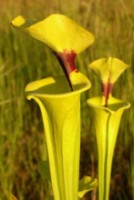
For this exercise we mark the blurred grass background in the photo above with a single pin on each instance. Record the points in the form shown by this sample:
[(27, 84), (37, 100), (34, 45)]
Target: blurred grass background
[(23, 59)]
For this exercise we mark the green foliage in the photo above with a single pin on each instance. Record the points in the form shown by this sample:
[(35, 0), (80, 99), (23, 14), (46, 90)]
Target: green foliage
[(44, 170), (23, 60), (11, 197), (86, 184)]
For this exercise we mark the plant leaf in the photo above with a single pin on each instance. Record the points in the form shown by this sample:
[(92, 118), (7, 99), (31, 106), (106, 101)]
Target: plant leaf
[(86, 184), (58, 32), (61, 117), (44, 170), (107, 121), (77, 78), (108, 69), (10, 196)]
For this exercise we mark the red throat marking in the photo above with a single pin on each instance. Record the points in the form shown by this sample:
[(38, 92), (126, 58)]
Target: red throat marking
[(68, 58), (107, 90)]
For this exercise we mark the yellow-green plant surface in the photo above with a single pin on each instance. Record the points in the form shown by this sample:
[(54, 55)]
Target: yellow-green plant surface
[(107, 121), (112, 24), (60, 110), (63, 35), (57, 31), (108, 112), (108, 69)]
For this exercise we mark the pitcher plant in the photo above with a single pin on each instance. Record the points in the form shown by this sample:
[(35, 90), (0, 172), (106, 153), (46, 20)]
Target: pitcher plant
[(108, 112), (59, 101)]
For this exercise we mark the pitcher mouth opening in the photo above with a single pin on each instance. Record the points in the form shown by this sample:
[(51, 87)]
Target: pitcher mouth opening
[(113, 105), (55, 86)]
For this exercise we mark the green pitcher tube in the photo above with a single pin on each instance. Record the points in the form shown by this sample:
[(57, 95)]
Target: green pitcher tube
[(60, 110), (107, 121)]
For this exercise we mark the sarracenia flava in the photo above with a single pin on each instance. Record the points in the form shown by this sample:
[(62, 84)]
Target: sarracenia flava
[(61, 117), (108, 112), (60, 107), (63, 35)]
